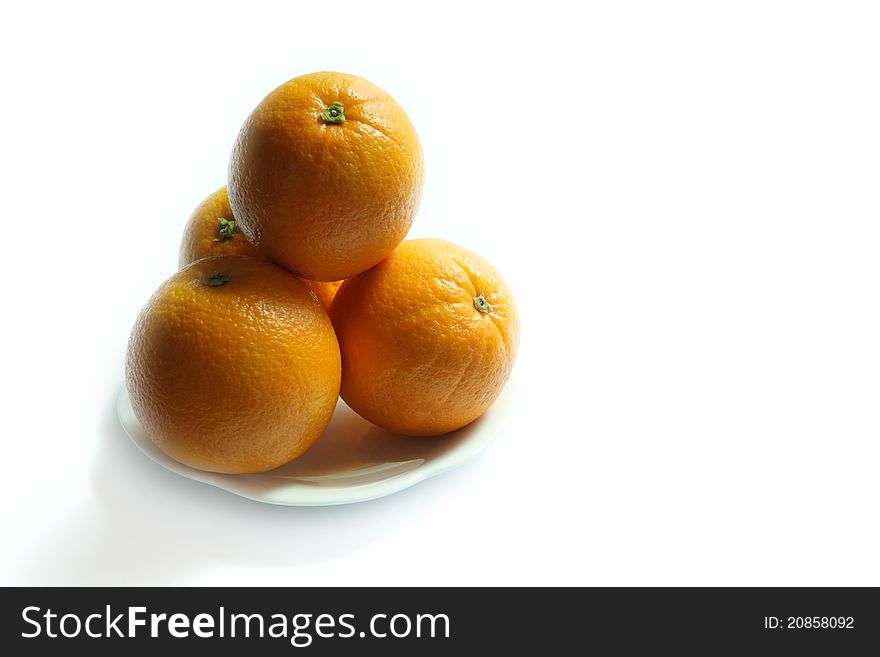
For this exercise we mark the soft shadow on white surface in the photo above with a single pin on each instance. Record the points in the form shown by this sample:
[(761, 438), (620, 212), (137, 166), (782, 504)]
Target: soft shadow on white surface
[(148, 526)]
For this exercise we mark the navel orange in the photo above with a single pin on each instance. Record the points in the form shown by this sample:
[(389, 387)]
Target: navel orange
[(212, 231), (428, 338), (325, 291), (233, 366), (326, 176)]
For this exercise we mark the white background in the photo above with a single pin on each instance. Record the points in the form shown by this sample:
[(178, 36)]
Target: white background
[(684, 197)]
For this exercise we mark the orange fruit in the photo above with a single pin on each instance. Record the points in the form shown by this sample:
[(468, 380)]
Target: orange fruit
[(325, 291), (212, 231), (428, 338), (233, 366), (326, 176)]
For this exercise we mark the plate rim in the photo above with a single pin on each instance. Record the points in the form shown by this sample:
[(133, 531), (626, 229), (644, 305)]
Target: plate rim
[(503, 406)]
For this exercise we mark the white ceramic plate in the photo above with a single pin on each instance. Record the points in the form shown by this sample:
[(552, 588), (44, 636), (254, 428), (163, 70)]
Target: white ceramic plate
[(353, 461)]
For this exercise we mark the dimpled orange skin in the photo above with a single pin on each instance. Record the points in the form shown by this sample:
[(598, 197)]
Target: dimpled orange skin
[(200, 240), (326, 200), (238, 377), (418, 357)]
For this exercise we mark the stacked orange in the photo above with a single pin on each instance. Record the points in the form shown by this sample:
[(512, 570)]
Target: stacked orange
[(236, 362)]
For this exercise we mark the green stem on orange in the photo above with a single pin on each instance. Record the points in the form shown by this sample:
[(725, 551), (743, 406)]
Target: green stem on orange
[(481, 304), (334, 114), (225, 229), (216, 279)]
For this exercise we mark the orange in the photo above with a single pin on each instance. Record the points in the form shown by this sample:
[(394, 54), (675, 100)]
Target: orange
[(212, 230), (428, 338), (325, 291), (233, 366), (326, 176)]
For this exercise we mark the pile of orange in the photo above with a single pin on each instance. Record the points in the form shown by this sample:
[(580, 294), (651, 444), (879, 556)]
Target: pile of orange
[(295, 287)]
